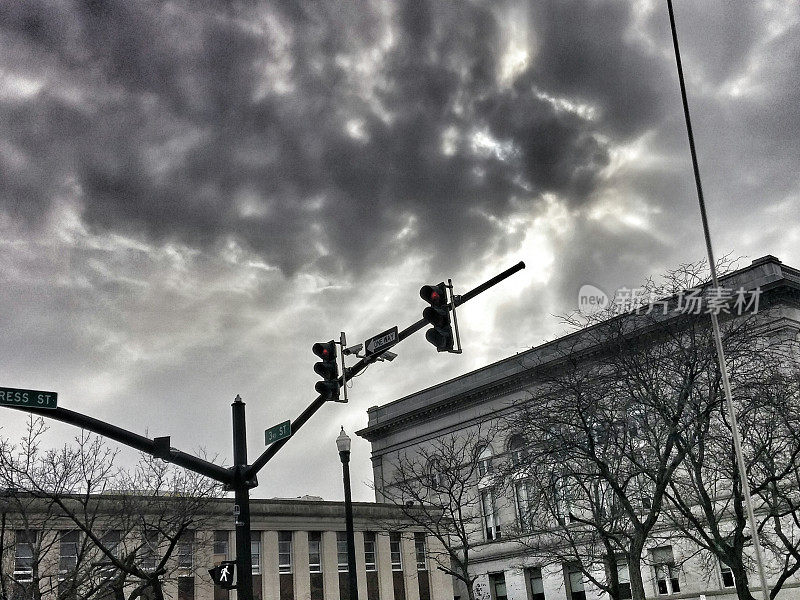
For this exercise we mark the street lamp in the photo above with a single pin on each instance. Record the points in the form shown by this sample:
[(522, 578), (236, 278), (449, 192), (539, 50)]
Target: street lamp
[(343, 444)]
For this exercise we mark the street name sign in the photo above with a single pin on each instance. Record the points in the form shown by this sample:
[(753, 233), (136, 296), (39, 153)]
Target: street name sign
[(382, 341), (278, 432), (27, 398)]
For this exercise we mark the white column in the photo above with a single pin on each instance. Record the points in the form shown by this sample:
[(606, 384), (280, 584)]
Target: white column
[(440, 582), (302, 578), (361, 567), (516, 587), (330, 566), (385, 587), (410, 575), (553, 582), (270, 582)]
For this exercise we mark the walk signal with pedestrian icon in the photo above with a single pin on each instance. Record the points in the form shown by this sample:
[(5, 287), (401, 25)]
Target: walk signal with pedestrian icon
[(223, 574)]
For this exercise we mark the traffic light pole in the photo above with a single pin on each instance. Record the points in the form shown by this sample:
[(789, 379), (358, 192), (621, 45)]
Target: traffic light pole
[(241, 477), (241, 490)]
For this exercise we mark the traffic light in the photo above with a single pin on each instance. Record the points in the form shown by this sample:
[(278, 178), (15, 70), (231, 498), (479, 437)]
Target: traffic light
[(438, 315), (328, 368)]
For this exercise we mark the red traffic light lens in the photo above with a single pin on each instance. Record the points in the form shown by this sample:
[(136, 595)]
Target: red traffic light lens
[(325, 351), (434, 294)]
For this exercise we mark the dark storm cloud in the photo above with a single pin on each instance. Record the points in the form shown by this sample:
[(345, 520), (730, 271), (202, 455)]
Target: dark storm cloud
[(183, 132)]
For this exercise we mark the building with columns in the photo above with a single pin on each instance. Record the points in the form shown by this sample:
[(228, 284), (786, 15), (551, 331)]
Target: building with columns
[(299, 552)]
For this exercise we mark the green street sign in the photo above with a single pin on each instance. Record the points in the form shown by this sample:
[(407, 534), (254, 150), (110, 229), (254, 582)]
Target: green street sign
[(27, 398), (278, 432)]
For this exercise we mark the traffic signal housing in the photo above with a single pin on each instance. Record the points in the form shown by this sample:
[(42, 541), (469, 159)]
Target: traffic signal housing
[(328, 369), (438, 315)]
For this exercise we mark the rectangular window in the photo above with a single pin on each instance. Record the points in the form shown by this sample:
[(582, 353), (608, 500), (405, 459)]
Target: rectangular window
[(186, 550), (666, 573), (220, 543), (728, 579), (315, 564), (111, 541), (255, 552), (535, 583), (420, 552), (577, 591), (67, 552), (341, 551), (522, 491), (395, 552), (341, 559), (561, 500), (185, 588), (624, 580), (370, 561), (284, 552), (149, 552), (23, 555), (314, 552), (490, 519), (497, 583)]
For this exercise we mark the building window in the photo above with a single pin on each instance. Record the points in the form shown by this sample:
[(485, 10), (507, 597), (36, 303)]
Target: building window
[(284, 552), (255, 552), (371, 565), (185, 588), (67, 552), (666, 573), (395, 552), (577, 591), (490, 518), (728, 580), (314, 552), (370, 561), (315, 564), (485, 462), (220, 543), (516, 447), (497, 584), (341, 551), (396, 558), (420, 552), (111, 541), (522, 495), (149, 551), (535, 583), (23, 555), (186, 550), (624, 580), (561, 502)]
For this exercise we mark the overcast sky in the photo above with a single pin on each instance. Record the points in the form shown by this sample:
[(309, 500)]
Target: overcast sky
[(194, 192)]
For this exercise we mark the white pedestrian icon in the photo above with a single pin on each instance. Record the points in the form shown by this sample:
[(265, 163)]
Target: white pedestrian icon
[(223, 574)]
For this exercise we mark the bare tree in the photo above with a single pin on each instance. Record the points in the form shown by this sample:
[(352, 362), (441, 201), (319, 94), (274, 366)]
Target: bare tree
[(609, 426), (122, 528), (706, 498), (437, 489)]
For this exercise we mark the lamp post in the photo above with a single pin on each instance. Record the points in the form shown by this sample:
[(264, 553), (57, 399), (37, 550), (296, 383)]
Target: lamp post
[(343, 444)]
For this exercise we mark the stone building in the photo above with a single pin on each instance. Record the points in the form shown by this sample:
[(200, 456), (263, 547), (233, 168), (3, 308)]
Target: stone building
[(299, 552), (486, 395)]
